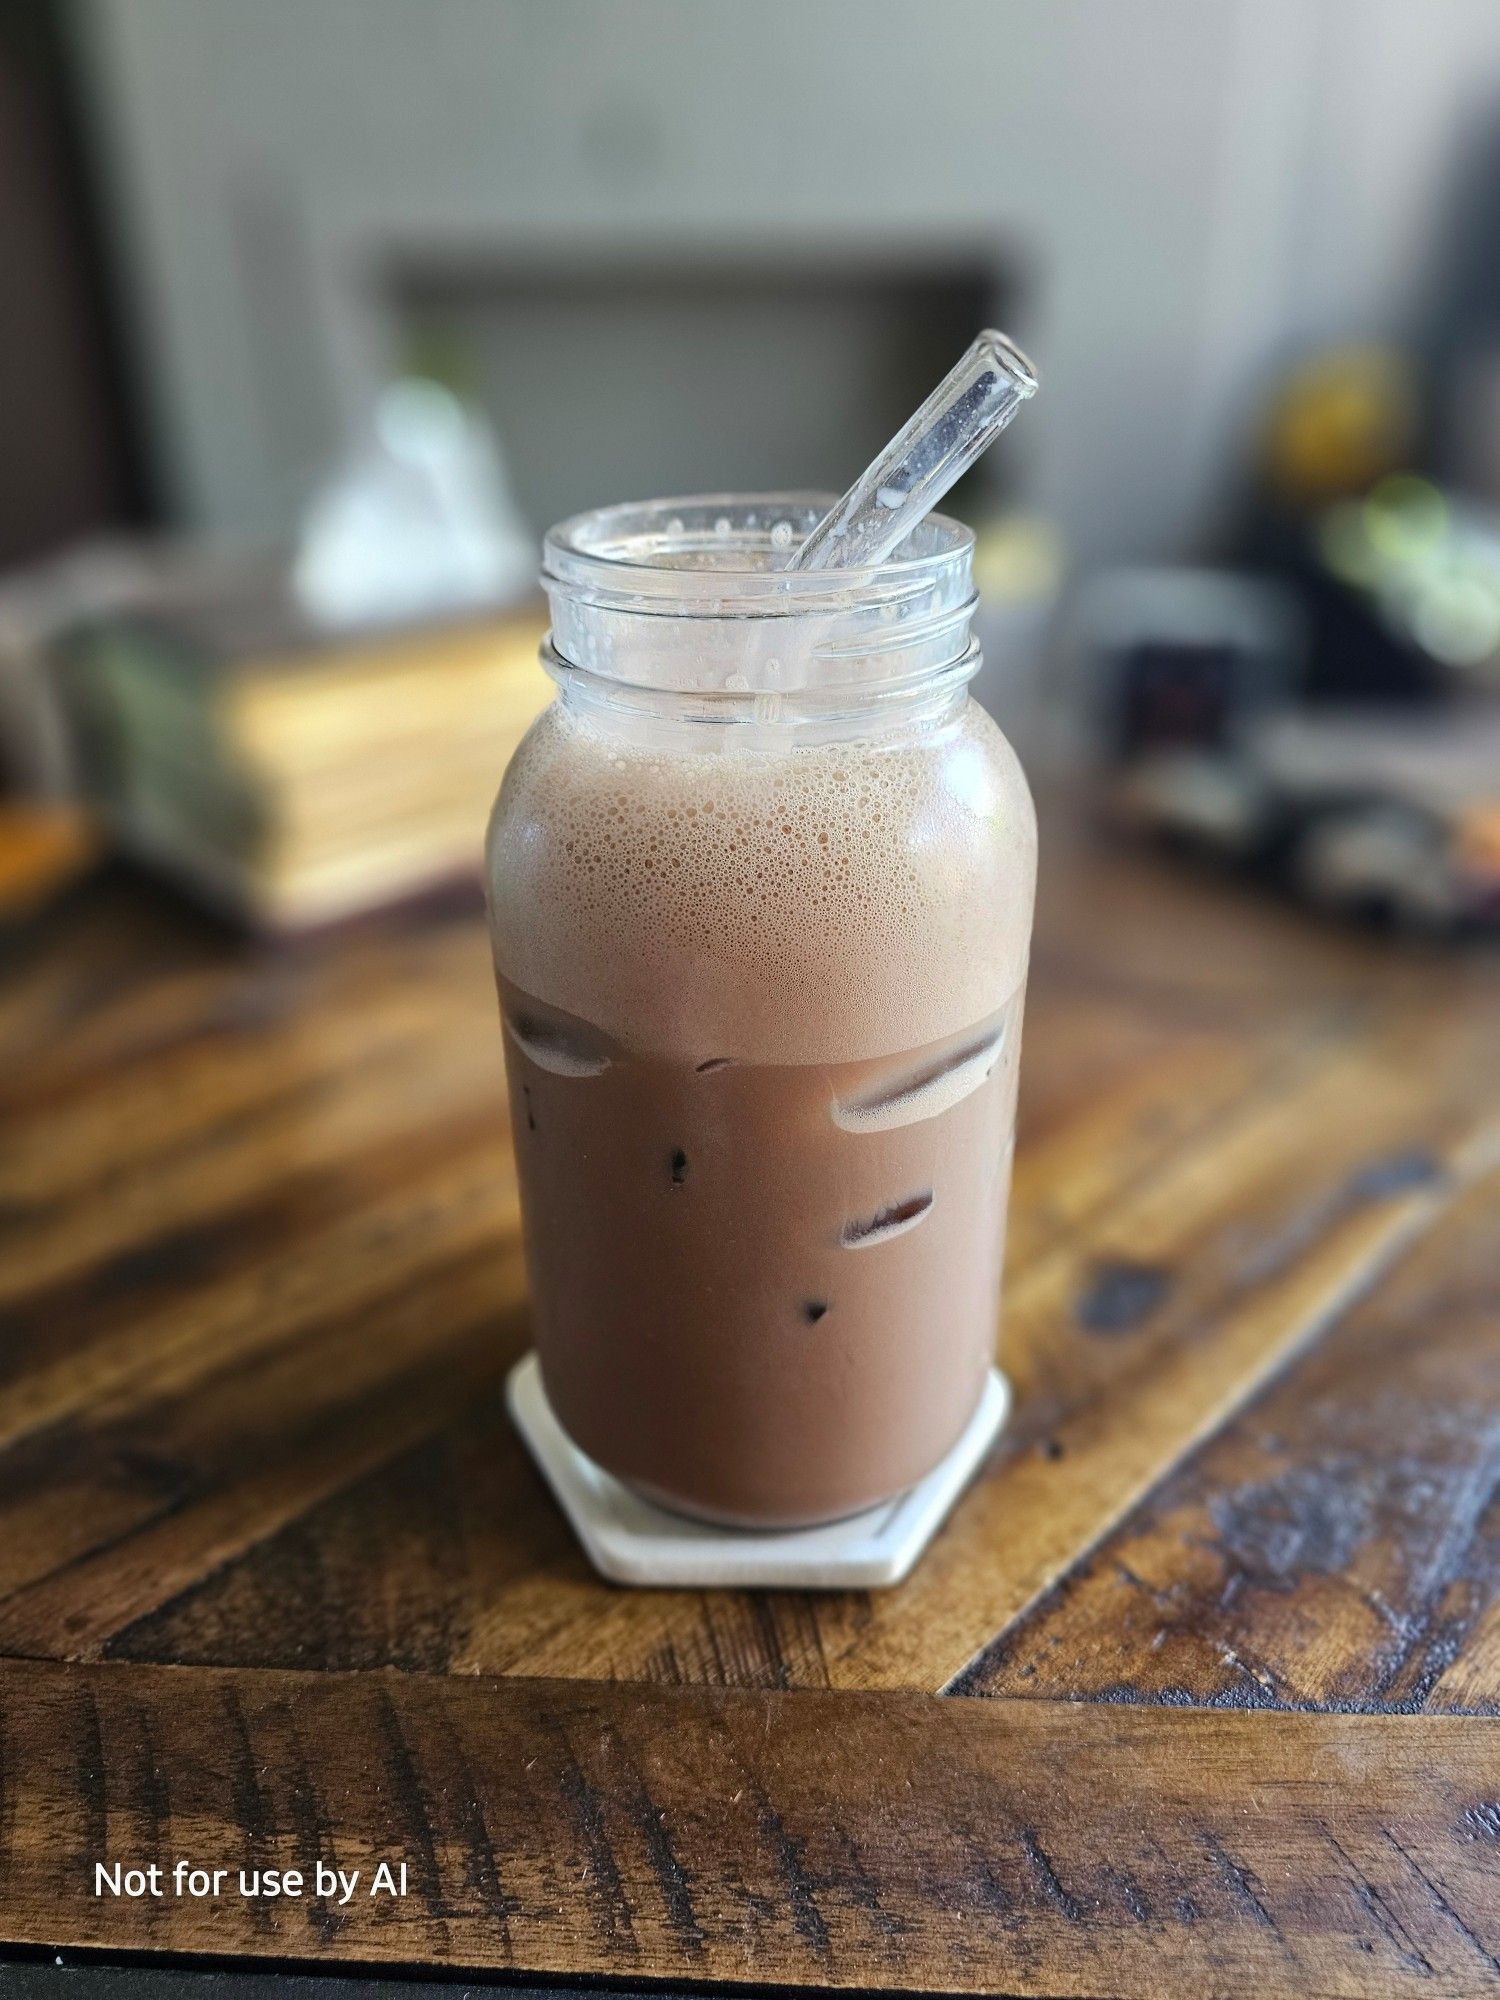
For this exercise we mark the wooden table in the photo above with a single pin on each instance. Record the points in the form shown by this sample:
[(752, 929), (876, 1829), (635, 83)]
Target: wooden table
[(1191, 1694)]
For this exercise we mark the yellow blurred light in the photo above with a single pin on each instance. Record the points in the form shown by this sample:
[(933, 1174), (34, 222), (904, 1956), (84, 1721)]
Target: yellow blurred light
[(1340, 421), (1017, 557)]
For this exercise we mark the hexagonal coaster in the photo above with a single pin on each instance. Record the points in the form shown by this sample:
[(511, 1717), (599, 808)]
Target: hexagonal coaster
[(628, 1540)]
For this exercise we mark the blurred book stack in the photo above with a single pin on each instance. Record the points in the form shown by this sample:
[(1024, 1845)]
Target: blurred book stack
[(293, 775)]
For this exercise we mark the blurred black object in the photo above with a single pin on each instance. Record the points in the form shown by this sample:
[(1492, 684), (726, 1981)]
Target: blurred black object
[(1329, 710), (1396, 573), (1179, 658), (76, 459), (1208, 734), (1355, 813)]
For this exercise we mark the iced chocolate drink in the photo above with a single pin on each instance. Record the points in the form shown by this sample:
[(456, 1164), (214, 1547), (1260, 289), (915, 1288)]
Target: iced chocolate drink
[(761, 886)]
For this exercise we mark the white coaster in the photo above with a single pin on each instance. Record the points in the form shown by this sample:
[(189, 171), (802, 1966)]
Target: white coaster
[(630, 1541)]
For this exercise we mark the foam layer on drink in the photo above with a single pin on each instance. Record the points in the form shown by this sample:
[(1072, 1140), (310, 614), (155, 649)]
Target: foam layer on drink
[(818, 904)]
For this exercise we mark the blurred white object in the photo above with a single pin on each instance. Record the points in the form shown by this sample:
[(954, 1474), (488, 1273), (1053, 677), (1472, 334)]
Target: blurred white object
[(1385, 857), (419, 520), (1218, 802)]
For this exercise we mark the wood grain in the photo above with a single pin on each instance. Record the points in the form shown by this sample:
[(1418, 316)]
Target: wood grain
[(260, 1281), (1098, 1420), (1337, 1546), (835, 1840), (259, 1284)]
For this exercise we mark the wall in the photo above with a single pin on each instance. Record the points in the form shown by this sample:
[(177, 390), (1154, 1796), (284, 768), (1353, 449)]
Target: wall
[(1189, 187)]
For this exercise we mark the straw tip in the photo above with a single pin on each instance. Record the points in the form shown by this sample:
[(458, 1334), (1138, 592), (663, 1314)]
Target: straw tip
[(1005, 354)]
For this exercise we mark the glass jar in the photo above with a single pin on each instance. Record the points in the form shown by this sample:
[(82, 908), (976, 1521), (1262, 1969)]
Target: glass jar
[(760, 885)]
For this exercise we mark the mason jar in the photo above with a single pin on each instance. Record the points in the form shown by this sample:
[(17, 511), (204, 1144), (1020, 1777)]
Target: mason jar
[(760, 884)]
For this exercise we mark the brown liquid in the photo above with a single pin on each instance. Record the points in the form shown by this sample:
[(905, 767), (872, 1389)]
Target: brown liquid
[(765, 1294)]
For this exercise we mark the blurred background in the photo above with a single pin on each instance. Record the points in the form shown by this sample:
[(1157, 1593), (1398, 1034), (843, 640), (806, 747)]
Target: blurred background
[(318, 312)]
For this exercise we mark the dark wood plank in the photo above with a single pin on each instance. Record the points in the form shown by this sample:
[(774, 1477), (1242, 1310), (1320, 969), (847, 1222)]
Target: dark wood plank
[(340, 1585), (841, 1840), (93, 1975), (259, 1280), (497, 1609), (1337, 1546)]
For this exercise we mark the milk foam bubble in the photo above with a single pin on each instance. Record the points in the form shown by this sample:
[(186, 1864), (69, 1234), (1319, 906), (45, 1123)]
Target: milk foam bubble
[(804, 904)]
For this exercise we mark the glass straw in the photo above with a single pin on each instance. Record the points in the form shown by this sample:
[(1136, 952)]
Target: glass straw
[(961, 418)]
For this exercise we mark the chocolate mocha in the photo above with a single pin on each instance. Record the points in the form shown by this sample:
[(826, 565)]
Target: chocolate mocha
[(762, 1024)]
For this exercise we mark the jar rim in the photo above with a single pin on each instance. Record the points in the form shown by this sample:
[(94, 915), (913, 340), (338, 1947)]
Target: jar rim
[(690, 603), (608, 551)]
